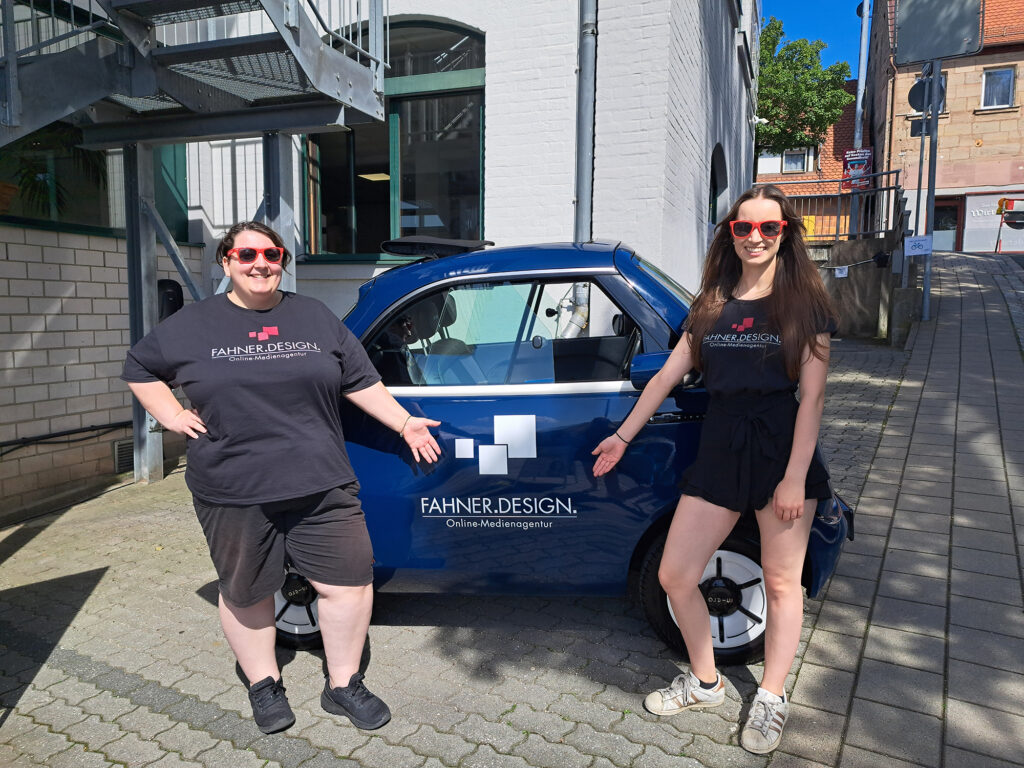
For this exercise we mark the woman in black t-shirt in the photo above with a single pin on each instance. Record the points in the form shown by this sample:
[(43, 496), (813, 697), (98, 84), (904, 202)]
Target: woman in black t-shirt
[(264, 370), (762, 323)]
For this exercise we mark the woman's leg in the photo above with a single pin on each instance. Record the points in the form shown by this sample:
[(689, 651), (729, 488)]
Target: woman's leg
[(251, 634), (344, 614), (697, 530), (783, 546)]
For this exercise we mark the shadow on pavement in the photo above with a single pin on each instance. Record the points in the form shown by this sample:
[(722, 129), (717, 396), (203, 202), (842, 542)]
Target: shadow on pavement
[(36, 618)]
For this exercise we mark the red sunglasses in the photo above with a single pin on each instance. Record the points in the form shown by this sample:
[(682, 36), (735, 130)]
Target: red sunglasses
[(766, 228), (273, 254)]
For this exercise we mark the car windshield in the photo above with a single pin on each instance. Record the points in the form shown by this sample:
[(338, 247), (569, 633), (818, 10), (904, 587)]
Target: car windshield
[(675, 288)]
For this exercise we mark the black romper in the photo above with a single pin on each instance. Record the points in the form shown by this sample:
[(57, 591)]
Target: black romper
[(748, 431)]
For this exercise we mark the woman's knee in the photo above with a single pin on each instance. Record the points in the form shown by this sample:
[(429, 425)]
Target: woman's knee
[(676, 576)]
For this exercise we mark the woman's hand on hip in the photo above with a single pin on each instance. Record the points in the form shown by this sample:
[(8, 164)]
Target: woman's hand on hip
[(187, 422), (608, 453), (788, 501), (416, 434)]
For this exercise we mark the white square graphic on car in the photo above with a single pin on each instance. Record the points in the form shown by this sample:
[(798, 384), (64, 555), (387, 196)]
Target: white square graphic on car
[(493, 460), (463, 448), (519, 433)]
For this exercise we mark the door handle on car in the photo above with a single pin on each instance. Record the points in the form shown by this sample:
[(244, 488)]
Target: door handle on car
[(674, 417)]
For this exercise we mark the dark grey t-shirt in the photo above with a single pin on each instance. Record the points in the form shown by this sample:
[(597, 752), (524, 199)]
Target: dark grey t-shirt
[(742, 355), (267, 385)]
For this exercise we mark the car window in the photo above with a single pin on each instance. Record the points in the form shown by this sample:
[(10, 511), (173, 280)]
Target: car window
[(505, 333)]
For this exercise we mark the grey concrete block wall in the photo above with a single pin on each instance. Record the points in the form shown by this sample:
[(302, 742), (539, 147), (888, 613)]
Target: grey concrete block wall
[(63, 337)]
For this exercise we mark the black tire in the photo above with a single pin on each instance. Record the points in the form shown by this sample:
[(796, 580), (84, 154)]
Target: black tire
[(733, 586), (295, 614)]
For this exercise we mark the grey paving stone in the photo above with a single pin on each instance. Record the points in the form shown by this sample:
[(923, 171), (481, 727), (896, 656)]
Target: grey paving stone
[(781, 759), (988, 485), (875, 507), (172, 760), (486, 757), (575, 710), (990, 541), (990, 588), (547, 724), (811, 734), (987, 616), (909, 616), (823, 688), (934, 542), (194, 712), (847, 589), (908, 649), (286, 750), (649, 732), (919, 563), (987, 649), (132, 751), (865, 544), (959, 758), (155, 697), (653, 757), (854, 757), (614, 747), (543, 754), (921, 521), (447, 747), (186, 741), (909, 502), (226, 755), (861, 566), (895, 732), (991, 563), (914, 689), (77, 756), (983, 502), (833, 649), (989, 521), (57, 715), (908, 586), (971, 727), (843, 618), (985, 686)]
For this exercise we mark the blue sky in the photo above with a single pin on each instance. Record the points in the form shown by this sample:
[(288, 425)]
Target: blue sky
[(838, 27)]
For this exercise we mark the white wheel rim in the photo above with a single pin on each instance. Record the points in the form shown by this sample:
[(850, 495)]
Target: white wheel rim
[(295, 618), (736, 629)]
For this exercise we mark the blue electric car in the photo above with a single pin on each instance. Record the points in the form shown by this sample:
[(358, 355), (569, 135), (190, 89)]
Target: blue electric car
[(529, 356)]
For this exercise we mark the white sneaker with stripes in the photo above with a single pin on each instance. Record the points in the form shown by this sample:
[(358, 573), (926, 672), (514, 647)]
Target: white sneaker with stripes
[(684, 693), (763, 730)]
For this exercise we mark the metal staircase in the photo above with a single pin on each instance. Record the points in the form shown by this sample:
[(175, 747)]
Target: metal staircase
[(163, 70), (136, 73)]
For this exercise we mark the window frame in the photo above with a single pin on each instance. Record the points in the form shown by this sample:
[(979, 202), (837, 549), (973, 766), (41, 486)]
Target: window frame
[(1013, 86), (804, 152)]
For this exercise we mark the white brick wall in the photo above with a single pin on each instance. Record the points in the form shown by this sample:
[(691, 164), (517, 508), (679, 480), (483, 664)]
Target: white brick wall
[(63, 337)]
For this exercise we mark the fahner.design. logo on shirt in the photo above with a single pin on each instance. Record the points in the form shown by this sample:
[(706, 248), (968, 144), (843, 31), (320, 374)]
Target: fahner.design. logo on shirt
[(272, 351), (268, 331), (746, 325)]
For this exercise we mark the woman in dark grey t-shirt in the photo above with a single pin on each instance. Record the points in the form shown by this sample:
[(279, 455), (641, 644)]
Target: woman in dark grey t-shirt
[(759, 328), (265, 370)]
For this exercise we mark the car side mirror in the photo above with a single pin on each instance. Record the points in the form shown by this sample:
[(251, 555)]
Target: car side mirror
[(645, 365)]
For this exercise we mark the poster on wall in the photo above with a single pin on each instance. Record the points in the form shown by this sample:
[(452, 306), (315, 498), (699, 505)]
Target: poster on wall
[(856, 168)]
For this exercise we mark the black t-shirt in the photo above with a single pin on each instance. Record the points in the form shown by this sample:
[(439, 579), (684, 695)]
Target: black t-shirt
[(742, 355), (267, 385)]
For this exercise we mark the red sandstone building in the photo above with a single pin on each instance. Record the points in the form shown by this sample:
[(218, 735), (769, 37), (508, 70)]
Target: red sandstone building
[(981, 128)]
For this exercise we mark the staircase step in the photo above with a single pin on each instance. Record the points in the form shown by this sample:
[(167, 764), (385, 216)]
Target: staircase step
[(251, 45), (174, 11)]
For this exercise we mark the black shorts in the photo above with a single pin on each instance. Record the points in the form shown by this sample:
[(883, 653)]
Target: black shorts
[(323, 535), (744, 450)]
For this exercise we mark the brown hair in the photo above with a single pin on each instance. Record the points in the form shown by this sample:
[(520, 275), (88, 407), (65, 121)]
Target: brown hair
[(228, 241), (799, 306)]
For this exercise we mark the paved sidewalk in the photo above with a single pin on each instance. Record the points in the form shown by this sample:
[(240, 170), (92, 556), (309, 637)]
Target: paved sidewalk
[(111, 653)]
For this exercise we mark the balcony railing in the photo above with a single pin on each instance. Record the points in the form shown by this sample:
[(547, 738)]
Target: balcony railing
[(832, 213)]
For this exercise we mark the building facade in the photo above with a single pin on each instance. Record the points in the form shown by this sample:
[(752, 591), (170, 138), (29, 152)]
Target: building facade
[(479, 142), (980, 156)]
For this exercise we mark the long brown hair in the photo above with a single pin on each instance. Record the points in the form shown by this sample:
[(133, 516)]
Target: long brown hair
[(799, 306), (228, 241)]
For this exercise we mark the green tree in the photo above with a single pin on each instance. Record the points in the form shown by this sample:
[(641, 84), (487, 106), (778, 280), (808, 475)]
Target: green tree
[(798, 97)]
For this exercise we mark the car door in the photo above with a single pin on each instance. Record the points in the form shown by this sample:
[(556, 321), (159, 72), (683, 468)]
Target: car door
[(527, 375)]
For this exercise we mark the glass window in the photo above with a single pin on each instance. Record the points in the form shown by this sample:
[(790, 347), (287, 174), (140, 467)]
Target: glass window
[(506, 333), (794, 161), (420, 172), (439, 140), (997, 88)]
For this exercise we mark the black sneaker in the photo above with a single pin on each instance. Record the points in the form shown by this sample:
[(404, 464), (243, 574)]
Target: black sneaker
[(270, 707), (365, 710)]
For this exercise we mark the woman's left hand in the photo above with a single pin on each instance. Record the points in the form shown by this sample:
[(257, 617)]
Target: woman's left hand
[(788, 501), (417, 436)]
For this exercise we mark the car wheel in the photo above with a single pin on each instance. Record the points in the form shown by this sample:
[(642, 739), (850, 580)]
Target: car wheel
[(295, 614), (733, 587)]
